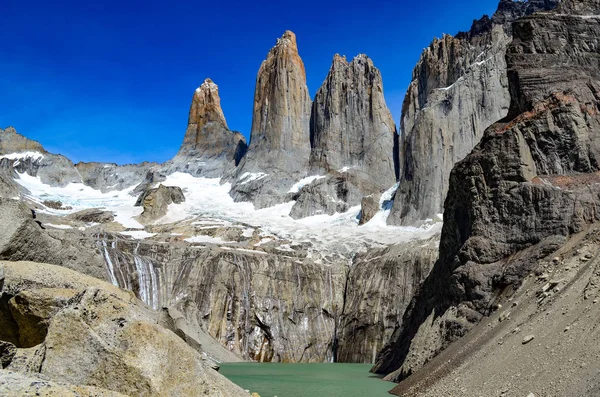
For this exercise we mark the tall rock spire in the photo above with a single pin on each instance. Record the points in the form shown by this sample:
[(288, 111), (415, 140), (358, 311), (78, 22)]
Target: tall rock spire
[(352, 140), (280, 138), (208, 145), (351, 126), (280, 120)]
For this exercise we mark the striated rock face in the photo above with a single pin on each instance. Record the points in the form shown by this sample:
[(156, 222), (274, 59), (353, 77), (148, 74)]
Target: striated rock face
[(380, 286), (156, 201), (459, 88), (262, 306), (209, 148), (351, 125), (100, 336), (280, 138), (531, 181), (352, 135)]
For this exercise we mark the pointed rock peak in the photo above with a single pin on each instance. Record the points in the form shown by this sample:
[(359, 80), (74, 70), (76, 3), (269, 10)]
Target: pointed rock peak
[(362, 58), (288, 40), (337, 58), (13, 142), (206, 105), (208, 86)]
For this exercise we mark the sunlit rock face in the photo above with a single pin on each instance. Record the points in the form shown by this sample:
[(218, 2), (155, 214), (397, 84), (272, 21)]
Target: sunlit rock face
[(459, 88), (209, 148), (280, 138)]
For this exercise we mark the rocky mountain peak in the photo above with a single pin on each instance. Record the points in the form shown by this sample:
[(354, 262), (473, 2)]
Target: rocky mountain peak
[(206, 105), (280, 137), (288, 40), (208, 142), (13, 142), (352, 138)]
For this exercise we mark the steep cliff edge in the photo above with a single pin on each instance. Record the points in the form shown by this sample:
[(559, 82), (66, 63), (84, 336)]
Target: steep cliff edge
[(352, 139), (530, 183), (279, 147), (459, 88)]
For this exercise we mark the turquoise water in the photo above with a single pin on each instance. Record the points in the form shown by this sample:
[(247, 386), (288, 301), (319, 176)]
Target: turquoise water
[(307, 380)]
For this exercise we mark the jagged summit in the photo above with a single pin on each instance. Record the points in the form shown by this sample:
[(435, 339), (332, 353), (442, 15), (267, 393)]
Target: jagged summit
[(206, 105), (352, 139)]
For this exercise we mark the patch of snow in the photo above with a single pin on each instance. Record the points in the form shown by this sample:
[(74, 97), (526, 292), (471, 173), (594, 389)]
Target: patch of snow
[(58, 226), (303, 182), (207, 239), (79, 196), (252, 251), (450, 86), (35, 156), (345, 169), (138, 234), (248, 177), (248, 232)]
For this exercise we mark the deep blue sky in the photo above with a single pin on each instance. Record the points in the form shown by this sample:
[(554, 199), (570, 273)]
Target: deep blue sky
[(113, 80)]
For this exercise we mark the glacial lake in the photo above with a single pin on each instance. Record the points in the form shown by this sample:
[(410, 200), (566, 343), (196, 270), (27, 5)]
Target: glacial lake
[(307, 380)]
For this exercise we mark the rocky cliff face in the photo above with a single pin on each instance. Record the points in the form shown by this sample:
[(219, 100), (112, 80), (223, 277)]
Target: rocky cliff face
[(352, 138), (209, 148), (530, 182), (280, 139), (459, 88)]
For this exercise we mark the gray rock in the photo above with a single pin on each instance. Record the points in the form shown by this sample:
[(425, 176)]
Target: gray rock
[(7, 352), (369, 206), (529, 183), (94, 215), (334, 193), (209, 148), (459, 88), (23, 238), (156, 201), (528, 339), (109, 177)]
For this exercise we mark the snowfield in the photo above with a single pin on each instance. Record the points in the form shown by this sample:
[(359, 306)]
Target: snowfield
[(208, 203)]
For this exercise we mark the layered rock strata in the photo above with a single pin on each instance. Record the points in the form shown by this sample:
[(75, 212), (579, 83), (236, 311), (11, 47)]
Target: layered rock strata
[(531, 181), (459, 88)]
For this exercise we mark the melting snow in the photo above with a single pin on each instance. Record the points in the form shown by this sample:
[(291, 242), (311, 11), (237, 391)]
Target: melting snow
[(58, 226), (138, 234), (303, 182), (207, 239), (35, 156), (79, 197), (209, 201), (251, 176)]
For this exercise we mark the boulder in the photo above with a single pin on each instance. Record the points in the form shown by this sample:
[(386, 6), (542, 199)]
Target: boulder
[(156, 201)]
